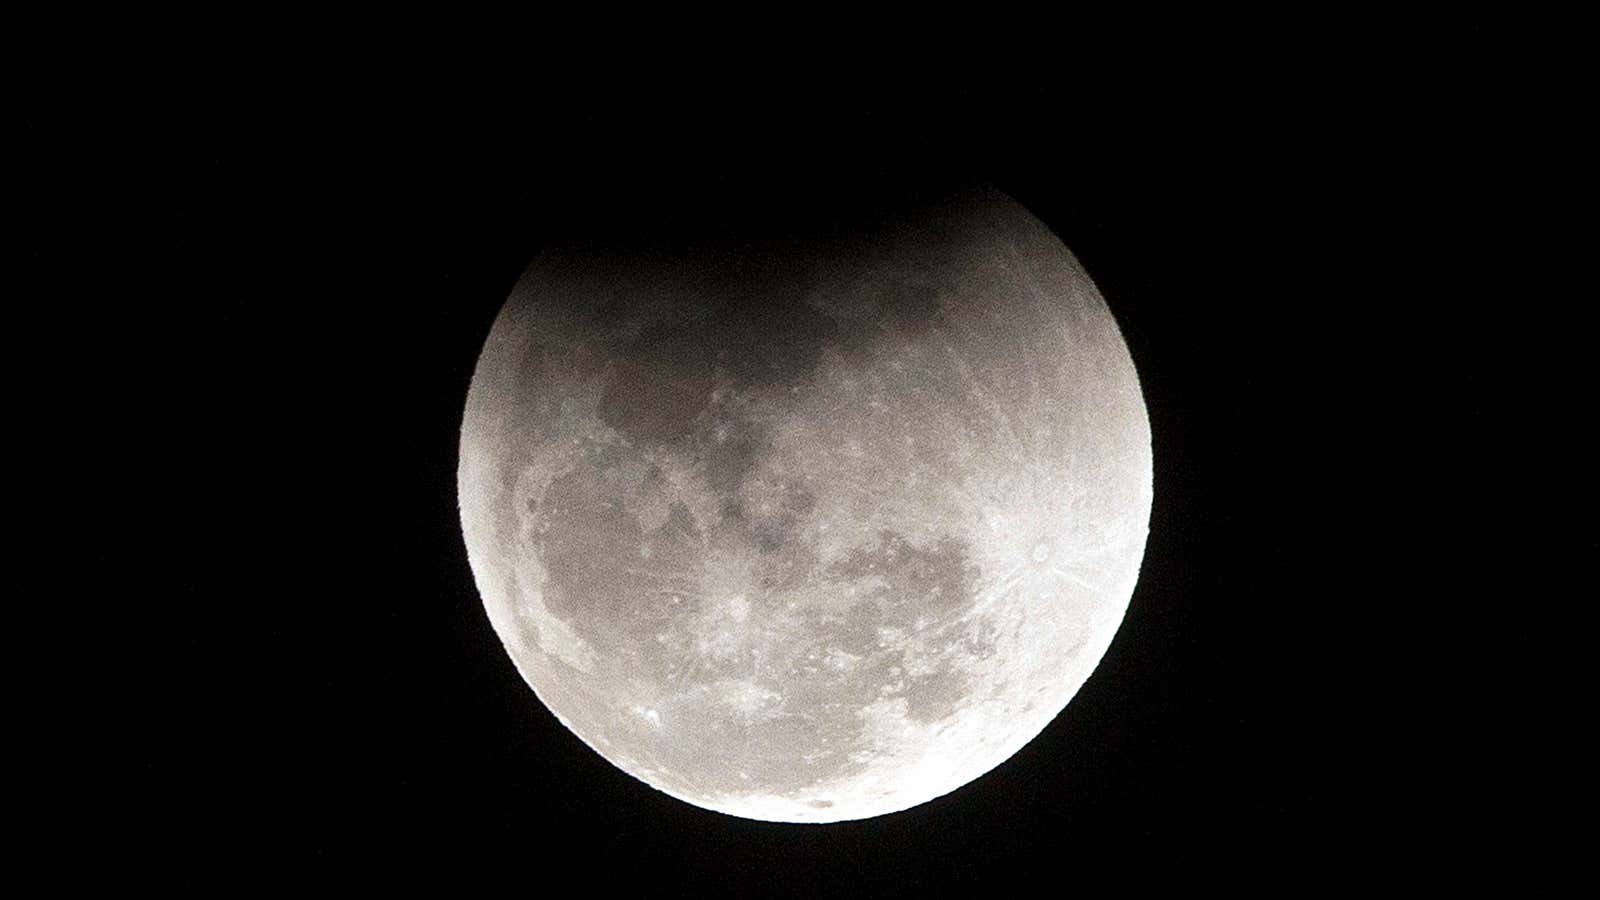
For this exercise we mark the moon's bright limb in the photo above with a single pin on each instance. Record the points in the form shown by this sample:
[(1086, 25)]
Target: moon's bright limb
[(814, 533)]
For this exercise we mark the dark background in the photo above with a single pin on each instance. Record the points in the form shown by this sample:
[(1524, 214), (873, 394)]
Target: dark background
[(294, 270)]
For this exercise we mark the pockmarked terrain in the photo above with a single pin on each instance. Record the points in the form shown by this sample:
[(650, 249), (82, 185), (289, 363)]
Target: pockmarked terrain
[(809, 531)]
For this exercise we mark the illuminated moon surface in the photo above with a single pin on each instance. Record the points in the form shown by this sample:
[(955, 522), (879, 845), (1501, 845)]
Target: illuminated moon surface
[(809, 531)]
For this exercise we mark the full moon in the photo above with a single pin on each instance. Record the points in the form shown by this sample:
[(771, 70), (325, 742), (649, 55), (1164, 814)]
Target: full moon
[(808, 530)]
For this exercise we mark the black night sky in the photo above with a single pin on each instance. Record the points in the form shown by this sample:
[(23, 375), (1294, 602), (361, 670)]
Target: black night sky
[(311, 263)]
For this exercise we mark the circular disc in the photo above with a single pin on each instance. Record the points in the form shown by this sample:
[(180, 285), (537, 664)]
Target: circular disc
[(808, 530)]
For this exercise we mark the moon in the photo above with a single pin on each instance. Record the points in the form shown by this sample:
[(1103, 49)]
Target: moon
[(808, 530)]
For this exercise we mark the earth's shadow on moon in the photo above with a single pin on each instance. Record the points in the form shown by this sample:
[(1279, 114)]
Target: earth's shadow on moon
[(752, 508)]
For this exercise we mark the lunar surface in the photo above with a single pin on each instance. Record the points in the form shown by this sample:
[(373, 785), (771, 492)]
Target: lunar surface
[(812, 530)]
